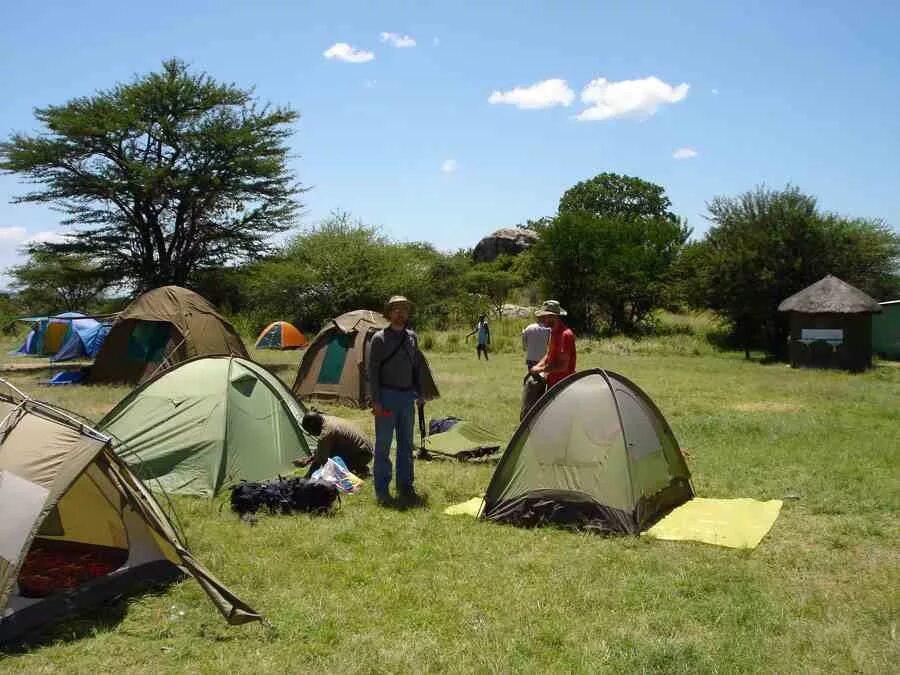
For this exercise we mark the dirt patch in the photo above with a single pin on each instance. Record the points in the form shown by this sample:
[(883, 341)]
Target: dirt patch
[(766, 406)]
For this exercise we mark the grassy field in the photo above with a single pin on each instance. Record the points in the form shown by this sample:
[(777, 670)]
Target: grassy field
[(379, 590)]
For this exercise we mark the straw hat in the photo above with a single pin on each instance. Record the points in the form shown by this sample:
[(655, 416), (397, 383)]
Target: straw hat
[(397, 300)]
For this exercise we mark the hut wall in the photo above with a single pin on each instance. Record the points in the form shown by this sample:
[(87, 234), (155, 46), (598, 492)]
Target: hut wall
[(854, 353)]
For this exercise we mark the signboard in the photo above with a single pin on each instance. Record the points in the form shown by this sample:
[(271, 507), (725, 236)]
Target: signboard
[(825, 334)]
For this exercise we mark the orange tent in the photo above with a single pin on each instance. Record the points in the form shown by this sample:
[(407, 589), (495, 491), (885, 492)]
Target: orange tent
[(281, 335)]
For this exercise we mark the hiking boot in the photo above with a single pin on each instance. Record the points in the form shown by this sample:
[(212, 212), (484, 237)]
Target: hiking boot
[(408, 497), (384, 500)]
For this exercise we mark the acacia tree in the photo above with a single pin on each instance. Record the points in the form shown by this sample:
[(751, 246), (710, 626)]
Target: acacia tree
[(161, 177)]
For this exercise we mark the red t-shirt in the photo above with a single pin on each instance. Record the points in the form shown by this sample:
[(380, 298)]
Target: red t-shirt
[(562, 344)]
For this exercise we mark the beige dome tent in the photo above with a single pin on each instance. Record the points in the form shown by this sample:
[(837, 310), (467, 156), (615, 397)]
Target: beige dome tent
[(68, 503), (594, 453), (333, 366), (163, 327)]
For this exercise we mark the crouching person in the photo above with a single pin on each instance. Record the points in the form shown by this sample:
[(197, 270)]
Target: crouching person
[(336, 438)]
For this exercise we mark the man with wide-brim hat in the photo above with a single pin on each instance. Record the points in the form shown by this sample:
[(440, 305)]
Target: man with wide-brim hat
[(395, 385), (559, 361)]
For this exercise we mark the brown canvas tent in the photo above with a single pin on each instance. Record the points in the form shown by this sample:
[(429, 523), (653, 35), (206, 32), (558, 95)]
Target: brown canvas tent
[(68, 503), (334, 365), (163, 327), (593, 453), (831, 326)]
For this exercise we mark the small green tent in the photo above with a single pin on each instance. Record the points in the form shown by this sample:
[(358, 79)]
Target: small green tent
[(594, 453), (208, 423), (463, 441)]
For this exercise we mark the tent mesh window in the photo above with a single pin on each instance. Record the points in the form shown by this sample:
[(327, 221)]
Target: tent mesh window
[(335, 358), (147, 342)]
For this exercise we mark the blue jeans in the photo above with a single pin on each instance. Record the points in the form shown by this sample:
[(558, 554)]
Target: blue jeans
[(403, 414)]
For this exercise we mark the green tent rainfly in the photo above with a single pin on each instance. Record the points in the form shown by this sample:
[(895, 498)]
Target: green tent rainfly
[(209, 423), (593, 453)]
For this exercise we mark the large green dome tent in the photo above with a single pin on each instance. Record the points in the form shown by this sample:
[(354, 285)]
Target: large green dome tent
[(206, 424), (594, 453)]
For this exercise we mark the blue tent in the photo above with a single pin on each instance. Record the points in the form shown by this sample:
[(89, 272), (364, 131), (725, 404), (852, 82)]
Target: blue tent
[(48, 333), (85, 340)]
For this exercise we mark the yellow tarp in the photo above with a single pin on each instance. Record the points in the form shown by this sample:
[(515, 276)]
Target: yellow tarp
[(470, 508), (735, 523)]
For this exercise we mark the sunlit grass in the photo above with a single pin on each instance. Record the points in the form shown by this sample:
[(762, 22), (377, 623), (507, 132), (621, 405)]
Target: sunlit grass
[(386, 591)]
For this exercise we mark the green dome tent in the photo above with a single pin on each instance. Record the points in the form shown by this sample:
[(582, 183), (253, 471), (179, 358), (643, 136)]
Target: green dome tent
[(206, 424), (595, 453)]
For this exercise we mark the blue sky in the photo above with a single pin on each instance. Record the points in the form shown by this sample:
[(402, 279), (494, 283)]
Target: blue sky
[(410, 139)]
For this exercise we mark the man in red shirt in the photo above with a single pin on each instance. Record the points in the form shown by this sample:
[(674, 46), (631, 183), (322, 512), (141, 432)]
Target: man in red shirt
[(559, 361)]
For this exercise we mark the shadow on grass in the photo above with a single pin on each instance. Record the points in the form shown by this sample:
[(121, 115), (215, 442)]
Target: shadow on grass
[(89, 622), (407, 502)]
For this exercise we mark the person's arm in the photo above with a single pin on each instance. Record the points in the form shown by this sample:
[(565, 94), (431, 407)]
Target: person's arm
[(487, 330), (376, 354)]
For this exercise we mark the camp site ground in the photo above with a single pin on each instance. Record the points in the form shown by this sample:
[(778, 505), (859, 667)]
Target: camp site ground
[(370, 589)]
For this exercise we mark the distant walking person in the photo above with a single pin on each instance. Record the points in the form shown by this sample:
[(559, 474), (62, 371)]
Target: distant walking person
[(534, 342), (395, 385), (483, 330), (559, 361)]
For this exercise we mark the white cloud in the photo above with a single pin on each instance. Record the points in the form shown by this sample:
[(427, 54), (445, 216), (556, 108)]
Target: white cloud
[(715, 92), (370, 84), (545, 94), (397, 40), (344, 52), (435, 42), (684, 153), (449, 166), (47, 237), (628, 98), (12, 233)]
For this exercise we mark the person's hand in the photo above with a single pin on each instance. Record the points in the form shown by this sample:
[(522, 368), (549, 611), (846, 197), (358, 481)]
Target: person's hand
[(377, 410)]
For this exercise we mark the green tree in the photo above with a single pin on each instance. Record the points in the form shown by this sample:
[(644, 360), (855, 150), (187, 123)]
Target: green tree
[(494, 281), (50, 281), (612, 195), (766, 245), (609, 268), (163, 177), (343, 265)]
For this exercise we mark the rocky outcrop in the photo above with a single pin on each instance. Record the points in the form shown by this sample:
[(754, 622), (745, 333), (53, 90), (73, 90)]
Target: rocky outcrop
[(506, 241)]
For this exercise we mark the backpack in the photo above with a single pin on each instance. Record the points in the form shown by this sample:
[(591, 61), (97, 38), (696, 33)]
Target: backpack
[(283, 495)]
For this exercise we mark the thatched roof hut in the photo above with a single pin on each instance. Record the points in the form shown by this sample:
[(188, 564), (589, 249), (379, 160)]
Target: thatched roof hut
[(830, 296), (831, 325)]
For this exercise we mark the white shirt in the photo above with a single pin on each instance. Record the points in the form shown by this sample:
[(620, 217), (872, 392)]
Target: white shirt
[(534, 339)]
